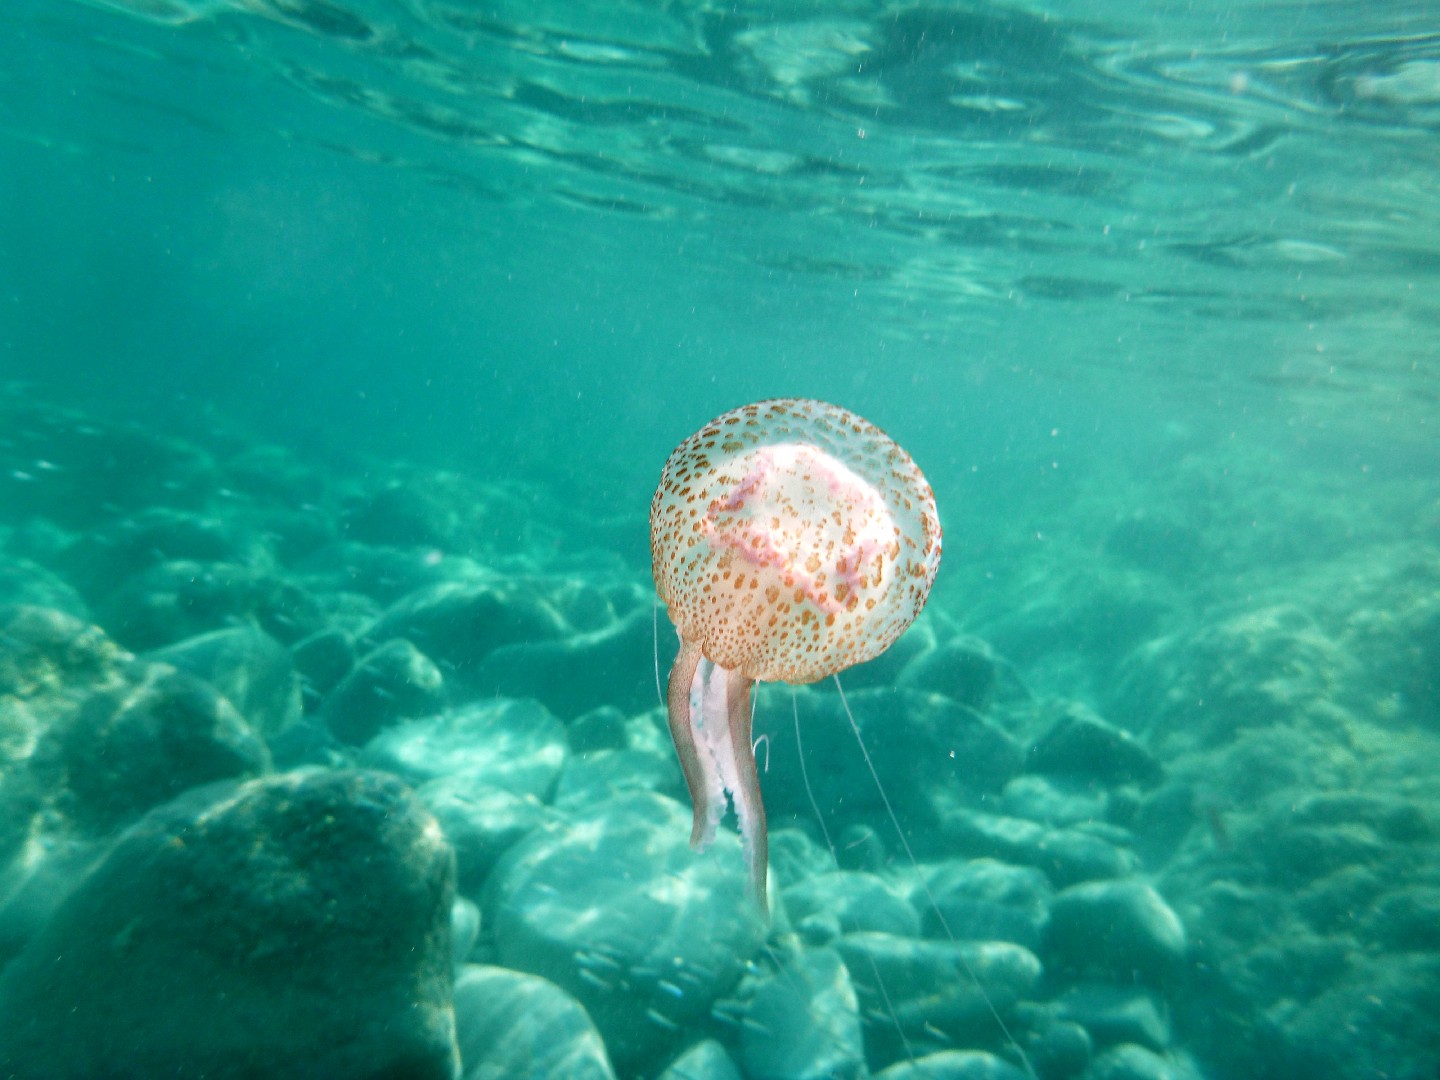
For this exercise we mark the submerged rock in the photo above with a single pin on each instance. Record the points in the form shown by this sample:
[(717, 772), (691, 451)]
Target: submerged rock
[(949, 756), (964, 670), (128, 465), (571, 676), (321, 661), (48, 655), (844, 902), (1117, 1014), (935, 989), (1119, 928), (1137, 1063), (1088, 852), (986, 900), (100, 558), (704, 1061), (600, 775), (954, 1065), (517, 746), (291, 927), (509, 1024), (803, 1022), (127, 749), (1082, 745), (613, 906), (481, 821), (393, 682), (28, 583), (183, 599), (249, 667), (459, 623)]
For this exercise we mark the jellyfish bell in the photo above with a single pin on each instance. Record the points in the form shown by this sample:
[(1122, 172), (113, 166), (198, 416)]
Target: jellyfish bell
[(789, 540)]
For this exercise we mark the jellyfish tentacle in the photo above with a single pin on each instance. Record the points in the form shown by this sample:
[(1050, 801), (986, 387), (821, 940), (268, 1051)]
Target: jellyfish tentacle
[(749, 805), (682, 731)]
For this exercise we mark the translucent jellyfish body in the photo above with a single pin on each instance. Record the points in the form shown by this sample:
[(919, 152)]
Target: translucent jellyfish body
[(789, 539)]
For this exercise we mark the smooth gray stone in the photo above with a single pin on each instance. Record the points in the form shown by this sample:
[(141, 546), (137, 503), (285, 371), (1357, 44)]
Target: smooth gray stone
[(23, 582), (392, 683), (128, 465), (613, 906), (1091, 851), (1082, 744), (795, 857), (401, 515), (128, 749), (249, 667), (515, 745), (509, 1024), (986, 900), (1120, 929), (854, 902), (964, 670), (464, 929), (599, 729), (100, 558), (1137, 1063), (321, 661), (954, 1065), (1117, 1014), (704, 1061), (594, 777), (1066, 856), (459, 623), (611, 666), (387, 575), (292, 927), (936, 986), (481, 821), (803, 1022), (34, 880), (1053, 801), (1060, 1047)]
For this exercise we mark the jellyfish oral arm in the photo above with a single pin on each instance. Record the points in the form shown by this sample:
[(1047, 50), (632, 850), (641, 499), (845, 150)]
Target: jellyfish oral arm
[(709, 709)]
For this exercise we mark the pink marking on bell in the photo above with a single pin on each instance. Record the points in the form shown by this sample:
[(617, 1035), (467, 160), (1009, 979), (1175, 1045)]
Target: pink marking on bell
[(753, 482)]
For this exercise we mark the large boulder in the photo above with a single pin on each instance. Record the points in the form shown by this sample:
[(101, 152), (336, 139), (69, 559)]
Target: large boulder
[(292, 927)]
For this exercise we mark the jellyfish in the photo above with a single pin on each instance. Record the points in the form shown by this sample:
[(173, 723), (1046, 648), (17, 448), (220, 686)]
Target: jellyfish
[(789, 539)]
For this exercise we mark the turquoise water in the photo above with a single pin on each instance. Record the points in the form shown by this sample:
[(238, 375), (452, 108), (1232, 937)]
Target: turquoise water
[(360, 330)]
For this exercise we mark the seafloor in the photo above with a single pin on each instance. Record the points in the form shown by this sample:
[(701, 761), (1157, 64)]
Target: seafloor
[(359, 772)]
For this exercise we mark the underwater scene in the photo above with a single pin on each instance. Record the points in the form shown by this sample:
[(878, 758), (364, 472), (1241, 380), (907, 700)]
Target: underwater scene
[(695, 540)]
